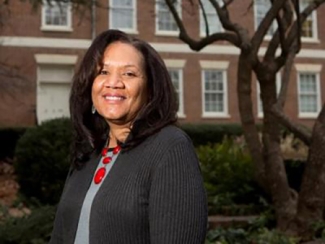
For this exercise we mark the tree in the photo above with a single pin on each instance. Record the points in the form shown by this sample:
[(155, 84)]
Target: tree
[(294, 212)]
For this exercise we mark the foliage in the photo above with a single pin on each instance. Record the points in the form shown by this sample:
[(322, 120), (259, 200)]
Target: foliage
[(227, 171), (42, 160), (8, 141), (30, 229), (203, 134), (257, 232)]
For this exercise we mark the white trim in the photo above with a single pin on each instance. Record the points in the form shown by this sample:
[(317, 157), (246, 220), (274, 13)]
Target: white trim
[(313, 115), (56, 59), (309, 67), (65, 28), (175, 63), (133, 30), (225, 113), (207, 64), (56, 28), (45, 42)]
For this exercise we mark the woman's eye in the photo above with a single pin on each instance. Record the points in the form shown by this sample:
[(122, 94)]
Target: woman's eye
[(130, 74), (103, 72)]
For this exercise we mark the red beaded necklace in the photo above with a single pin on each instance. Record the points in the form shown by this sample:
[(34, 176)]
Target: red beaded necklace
[(100, 173)]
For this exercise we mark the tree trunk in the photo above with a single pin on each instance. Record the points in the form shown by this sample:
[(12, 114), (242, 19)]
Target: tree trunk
[(283, 197), (245, 105), (312, 194)]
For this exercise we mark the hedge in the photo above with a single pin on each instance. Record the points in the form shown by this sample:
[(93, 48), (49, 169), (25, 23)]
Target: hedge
[(8, 141)]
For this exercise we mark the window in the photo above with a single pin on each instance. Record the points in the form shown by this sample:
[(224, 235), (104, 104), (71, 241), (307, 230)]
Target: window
[(259, 101), (261, 8), (214, 92), (177, 79), (175, 69), (214, 89), (122, 15), (56, 16), (212, 18), (308, 94), (308, 28), (54, 74), (165, 23)]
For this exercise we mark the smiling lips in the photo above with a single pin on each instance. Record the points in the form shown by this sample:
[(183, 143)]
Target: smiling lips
[(114, 97)]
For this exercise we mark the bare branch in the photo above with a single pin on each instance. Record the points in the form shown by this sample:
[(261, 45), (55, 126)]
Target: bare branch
[(297, 130), (279, 37), (205, 18), (285, 79), (241, 32), (302, 18), (198, 45), (265, 24)]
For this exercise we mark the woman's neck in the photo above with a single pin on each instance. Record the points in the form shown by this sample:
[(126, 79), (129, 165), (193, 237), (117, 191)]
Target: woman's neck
[(117, 133)]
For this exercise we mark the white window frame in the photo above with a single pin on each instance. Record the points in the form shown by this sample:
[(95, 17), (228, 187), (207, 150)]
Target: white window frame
[(259, 106), (208, 12), (51, 60), (314, 69), (128, 30), (273, 26), (167, 32), (219, 66), (178, 64), (313, 17), (46, 27)]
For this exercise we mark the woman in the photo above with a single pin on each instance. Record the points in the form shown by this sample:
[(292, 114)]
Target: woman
[(135, 176)]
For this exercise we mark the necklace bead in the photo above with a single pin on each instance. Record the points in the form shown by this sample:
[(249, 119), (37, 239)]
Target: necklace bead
[(107, 160), (100, 173)]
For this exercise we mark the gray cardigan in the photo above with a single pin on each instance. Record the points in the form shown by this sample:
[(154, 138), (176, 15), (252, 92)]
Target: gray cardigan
[(153, 194)]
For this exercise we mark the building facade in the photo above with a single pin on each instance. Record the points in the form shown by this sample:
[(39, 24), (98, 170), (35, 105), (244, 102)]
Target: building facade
[(40, 49)]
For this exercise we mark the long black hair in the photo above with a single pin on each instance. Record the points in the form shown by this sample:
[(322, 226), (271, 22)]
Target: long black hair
[(91, 130)]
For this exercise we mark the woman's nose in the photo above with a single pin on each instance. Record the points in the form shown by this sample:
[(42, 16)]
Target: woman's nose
[(113, 80)]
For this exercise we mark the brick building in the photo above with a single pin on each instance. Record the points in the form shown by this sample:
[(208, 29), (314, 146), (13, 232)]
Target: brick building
[(41, 48)]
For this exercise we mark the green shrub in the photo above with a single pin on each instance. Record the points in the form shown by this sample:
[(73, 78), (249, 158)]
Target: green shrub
[(203, 134), (35, 228), (227, 171), (8, 141), (242, 236), (42, 160)]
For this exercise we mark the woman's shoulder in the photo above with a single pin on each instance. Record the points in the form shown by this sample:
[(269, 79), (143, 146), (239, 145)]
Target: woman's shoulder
[(171, 134)]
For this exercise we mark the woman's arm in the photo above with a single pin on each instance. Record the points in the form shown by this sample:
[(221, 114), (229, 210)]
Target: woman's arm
[(177, 202)]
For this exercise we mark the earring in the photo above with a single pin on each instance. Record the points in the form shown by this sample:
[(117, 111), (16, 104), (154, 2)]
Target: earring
[(93, 109)]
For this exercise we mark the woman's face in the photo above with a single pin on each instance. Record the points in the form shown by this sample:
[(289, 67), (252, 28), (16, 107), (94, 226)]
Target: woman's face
[(120, 88)]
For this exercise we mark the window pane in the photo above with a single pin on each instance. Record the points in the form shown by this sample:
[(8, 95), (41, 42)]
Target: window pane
[(175, 77), (128, 3), (307, 26), (212, 18), (56, 14), (122, 13), (214, 91), (308, 93), (261, 7), (122, 18), (165, 19)]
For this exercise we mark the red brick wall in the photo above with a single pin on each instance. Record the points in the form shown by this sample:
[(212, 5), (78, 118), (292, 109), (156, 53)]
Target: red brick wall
[(22, 21)]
